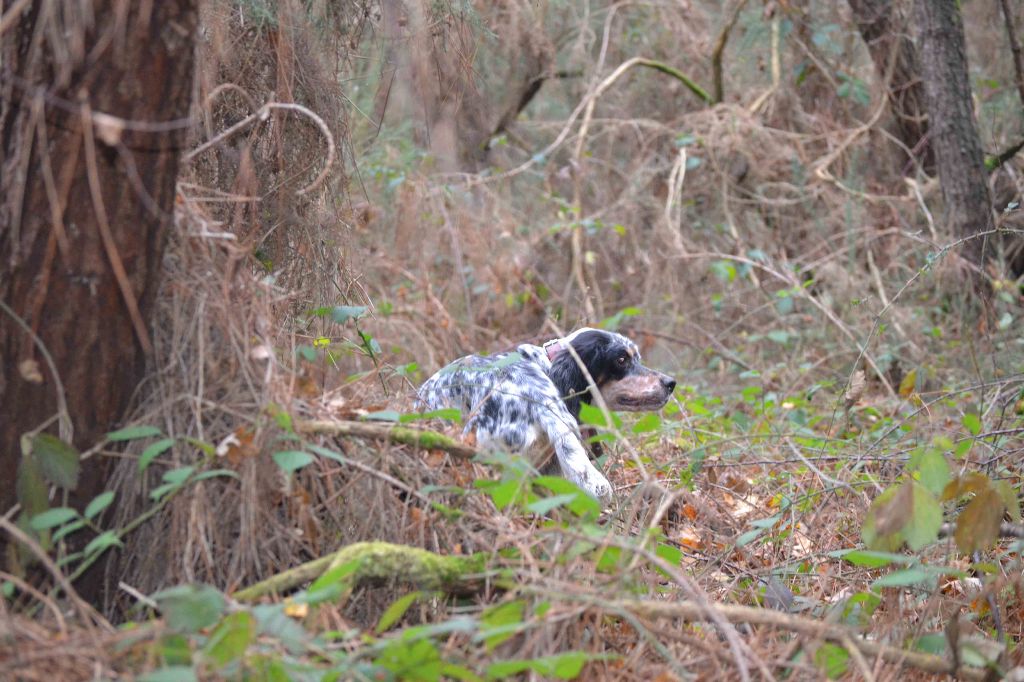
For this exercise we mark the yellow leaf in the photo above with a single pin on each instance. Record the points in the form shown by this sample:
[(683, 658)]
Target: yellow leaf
[(909, 383)]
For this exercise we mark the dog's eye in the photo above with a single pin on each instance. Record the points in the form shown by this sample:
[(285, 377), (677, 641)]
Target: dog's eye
[(622, 360)]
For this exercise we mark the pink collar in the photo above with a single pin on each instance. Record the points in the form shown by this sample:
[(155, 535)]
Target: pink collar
[(552, 348)]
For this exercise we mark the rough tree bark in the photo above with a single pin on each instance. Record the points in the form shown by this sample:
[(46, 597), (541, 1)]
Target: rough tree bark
[(84, 210), (958, 154), (896, 63)]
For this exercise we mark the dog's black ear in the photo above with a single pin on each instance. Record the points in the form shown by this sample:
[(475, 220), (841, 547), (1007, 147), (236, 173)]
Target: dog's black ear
[(569, 380), (567, 375)]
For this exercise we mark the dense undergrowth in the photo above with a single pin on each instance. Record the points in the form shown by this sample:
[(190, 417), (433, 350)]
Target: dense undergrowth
[(832, 490)]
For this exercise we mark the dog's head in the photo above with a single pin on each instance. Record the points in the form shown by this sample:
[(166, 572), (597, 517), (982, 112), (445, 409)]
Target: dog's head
[(613, 362)]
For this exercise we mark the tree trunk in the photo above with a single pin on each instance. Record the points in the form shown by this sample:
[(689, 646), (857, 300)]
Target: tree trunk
[(958, 155), (896, 63), (85, 210)]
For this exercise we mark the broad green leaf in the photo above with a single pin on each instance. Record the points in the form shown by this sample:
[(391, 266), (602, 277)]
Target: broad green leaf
[(176, 650), (932, 469), (562, 666), (501, 622), (832, 659), (230, 639), (215, 473), (66, 530), (647, 423), (331, 584), (383, 416), (1009, 496), (154, 450), (502, 493), (397, 609), (58, 461), (51, 518), (977, 527), (179, 475), (592, 416), (608, 560), (171, 673), (134, 433), (906, 577), (871, 559), (926, 519), (32, 491), (972, 423), (101, 542), (546, 504), (98, 504), (343, 313), (748, 537), (582, 504), (449, 413), (292, 460), (933, 643), (190, 608)]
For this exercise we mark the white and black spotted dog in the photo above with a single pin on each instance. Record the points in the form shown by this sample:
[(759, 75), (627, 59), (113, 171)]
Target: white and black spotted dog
[(528, 401)]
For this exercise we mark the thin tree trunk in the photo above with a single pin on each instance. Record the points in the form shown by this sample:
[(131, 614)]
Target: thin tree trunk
[(896, 62), (958, 154), (85, 209)]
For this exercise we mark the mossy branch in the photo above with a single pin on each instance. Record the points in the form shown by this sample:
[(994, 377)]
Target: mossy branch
[(690, 84), (394, 433), (380, 563)]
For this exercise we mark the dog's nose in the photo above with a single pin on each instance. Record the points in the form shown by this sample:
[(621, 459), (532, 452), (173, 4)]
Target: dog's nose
[(668, 382)]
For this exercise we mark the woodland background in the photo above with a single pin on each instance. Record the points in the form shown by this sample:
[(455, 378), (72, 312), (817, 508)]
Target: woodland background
[(235, 235)]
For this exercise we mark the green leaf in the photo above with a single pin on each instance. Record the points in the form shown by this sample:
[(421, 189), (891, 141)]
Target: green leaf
[(562, 666), (906, 513), (977, 527), (383, 416), (179, 475), (51, 518), (972, 423), (609, 559), (66, 530), (925, 520), (32, 491), (546, 504), (215, 473), (134, 433), (502, 493), (501, 622), (101, 542), (230, 638), (331, 584), (832, 659), (582, 504), (870, 559), (933, 643), (592, 416), (343, 313), (397, 609), (190, 608), (647, 423), (58, 461), (98, 504), (906, 577), (932, 469), (176, 650), (292, 460), (153, 451), (171, 673), (448, 413)]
